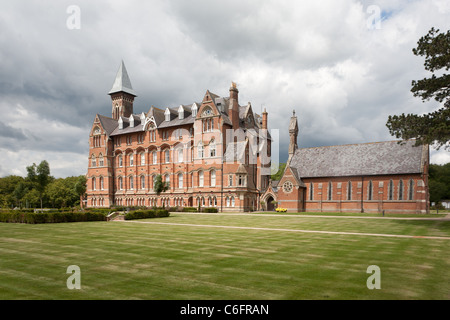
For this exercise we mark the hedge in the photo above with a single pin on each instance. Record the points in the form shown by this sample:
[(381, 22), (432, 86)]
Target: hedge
[(50, 217), (146, 214)]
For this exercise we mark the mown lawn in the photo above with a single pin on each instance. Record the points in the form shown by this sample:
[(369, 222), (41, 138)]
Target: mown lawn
[(124, 260)]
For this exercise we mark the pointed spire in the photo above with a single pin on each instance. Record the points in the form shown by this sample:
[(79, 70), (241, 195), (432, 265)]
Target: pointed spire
[(122, 82)]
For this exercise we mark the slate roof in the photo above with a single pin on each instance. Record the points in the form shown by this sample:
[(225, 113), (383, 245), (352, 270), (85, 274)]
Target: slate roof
[(378, 158), (108, 124), (122, 82)]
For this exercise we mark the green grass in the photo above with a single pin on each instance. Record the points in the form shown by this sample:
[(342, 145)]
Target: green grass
[(128, 260)]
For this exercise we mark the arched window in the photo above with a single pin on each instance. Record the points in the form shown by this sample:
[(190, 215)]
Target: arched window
[(142, 158), (200, 179), (180, 180), (142, 182), (213, 178), (94, 184), (232, 201), (349, 190), (192, 180), (180, 155), (411, 190), (167, 156), (100, 160), (131, 159), (370, 191), (228, 201), (330, 191), (212, 148), (101, 183), (400, 190), (93, 161), (120, 183), (391, 190), (200, 150), (131, 183), (120, 161), (311, 191), (155, 157), (167, 178)]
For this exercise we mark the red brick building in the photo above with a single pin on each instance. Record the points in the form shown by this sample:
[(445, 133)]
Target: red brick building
[(214, 153), (370, 177)]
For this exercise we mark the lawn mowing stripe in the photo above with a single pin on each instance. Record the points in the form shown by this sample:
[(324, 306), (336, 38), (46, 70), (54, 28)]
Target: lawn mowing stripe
[(292, 230)]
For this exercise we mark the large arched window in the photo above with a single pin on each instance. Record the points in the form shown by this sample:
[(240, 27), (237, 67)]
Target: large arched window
[(94, 183), (120, 160), (120, 183), (311, 191), (155, 157), (101, 183), (93, 161)]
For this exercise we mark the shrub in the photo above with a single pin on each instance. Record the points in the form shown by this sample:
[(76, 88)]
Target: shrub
[(281, 210), (146, 214), (189, 209), (210, 210), (50, 217)]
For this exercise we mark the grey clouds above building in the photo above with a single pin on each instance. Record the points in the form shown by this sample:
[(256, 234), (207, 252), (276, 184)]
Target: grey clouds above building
[(329, 60)]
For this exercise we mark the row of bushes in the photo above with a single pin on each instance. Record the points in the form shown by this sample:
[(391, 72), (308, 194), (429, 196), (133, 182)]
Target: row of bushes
[(146, 214), (193, 209), (50, 217)]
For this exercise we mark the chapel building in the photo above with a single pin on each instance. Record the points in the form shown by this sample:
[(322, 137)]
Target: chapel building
[(377, 177)]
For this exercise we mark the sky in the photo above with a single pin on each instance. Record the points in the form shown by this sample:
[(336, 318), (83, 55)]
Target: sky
[(344, 66)]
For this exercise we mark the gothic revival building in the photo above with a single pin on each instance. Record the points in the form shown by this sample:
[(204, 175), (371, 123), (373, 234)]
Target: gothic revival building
[(369, 177), (214, 153)]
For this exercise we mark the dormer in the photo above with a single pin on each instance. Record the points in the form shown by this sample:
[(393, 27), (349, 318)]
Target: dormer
[(120, 123), (194, 110), (142, 117), (167, 115), (131, 121), (181, 112)]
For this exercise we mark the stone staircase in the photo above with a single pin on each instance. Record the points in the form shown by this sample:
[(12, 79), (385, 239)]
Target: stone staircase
[(116, 216)]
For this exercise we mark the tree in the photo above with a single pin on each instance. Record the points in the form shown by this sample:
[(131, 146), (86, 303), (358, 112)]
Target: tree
[(433, 127), (80, 188), (160, 185), (277, 176), (40, 176)]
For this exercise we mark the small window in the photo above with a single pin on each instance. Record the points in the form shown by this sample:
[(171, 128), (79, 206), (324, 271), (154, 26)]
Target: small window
[(349, 190), (100, 161), (330, 191), (155, 157), (311, 191), (167, 156), (391, 190), (400, 190), (94, 184), (370, 191), (142, 182), (142, 159), (200, 179), (120, 161), (180, 180), (131, 183), (411, 190), (200, 150), (212, 149), (131, 159), (180, 155), (120, 183)]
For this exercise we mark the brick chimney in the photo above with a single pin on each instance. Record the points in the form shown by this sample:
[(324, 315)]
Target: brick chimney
[(264, 119), (233, 108)]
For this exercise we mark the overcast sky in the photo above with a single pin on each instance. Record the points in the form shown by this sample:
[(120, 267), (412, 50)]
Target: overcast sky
[(343, 65)]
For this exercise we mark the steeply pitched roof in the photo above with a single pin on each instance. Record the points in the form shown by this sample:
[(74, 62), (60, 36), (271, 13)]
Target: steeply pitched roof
[(122, 82), (379, 158), (108, 124)]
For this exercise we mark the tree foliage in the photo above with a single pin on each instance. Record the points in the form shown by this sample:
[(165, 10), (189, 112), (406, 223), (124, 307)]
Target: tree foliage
[(439, 182), (434, 127), (160, 185)]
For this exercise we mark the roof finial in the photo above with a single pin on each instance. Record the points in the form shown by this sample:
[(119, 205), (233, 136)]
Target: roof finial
[(293, 113)]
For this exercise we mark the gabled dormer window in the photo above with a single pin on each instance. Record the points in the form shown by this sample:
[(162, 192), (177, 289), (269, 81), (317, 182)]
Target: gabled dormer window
[(167, 114), (194, 110), (181, 113), (131, 121), (120, 123)]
